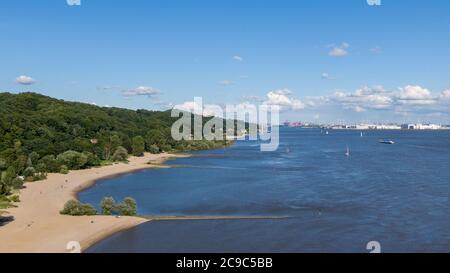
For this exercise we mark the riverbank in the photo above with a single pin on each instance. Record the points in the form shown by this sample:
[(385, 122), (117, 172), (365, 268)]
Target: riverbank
[(38, 227)]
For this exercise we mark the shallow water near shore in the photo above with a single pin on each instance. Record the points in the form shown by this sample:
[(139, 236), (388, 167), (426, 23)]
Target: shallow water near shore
[(395, 194)]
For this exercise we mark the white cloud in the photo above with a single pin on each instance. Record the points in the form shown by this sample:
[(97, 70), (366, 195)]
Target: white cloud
[(207, 110), (25, 80), (188, 106), (445, 95), (407, 99), (141, 91), (238, 58), (226, 82), (339, 51), (367, 97), (411, 92), (415, 95), (282, 98)]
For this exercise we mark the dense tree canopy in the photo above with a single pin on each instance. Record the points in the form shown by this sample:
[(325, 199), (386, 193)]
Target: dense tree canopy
[(39, 134)]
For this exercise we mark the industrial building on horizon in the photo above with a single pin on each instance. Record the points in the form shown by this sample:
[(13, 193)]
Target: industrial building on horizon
[(366, 126)]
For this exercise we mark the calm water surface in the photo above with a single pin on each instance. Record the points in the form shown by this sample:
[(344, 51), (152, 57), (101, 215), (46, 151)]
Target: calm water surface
[(395, 194)]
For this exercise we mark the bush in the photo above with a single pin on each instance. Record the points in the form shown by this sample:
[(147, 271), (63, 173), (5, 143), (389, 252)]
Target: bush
[(41, 167), (64, 169), (17, 183), (3, 164), (39, 176), (108, 205), (33, 158), (155, 137), (51, 164), (154, 149), (73, 160), (76, 208), (15, 199), (127, 207), (165, 148), (4, 189), (8, 176), (29, 172), (121, 154), (92, 160)]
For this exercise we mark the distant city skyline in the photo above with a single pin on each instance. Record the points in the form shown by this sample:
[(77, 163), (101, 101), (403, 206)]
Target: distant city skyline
[(370, 126), (322, 61)]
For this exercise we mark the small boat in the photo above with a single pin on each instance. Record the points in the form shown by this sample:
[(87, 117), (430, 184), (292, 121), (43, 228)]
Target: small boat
[(362, 134), (390, 142), (327, 133), (348, 152)]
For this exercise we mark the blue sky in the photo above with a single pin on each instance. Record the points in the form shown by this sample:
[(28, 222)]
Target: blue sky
[(322, 60)]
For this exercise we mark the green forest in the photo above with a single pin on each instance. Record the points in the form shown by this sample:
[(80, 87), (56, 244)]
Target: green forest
[(40, 135)]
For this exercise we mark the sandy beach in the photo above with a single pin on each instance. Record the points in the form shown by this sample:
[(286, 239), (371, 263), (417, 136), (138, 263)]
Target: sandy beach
[(38, 226)]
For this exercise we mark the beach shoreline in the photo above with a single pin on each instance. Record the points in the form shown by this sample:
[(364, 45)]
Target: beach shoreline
[(38, 227)]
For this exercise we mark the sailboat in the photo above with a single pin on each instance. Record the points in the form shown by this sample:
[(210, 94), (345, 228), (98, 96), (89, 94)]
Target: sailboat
[(362, 134), (348, 152)]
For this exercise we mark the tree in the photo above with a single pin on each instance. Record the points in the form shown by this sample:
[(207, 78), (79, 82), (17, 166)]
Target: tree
[(29, 172), (121, 154), (155, 137), (8, 176), (33, 158), (115, 142), (110, 144), (127, 207), (73, 160), (108, 204), (4, 189), (138, 146), (51, 164), (3, 164), (17, 183), (92, 160), (64, 169), (53, 135), (154, 149), (76, 208)]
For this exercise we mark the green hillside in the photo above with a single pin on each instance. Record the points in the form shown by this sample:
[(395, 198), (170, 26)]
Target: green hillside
[(39, 134)]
